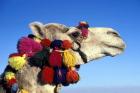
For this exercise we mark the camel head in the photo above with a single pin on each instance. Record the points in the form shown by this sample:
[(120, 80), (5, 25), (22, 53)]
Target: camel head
[(99, 43)]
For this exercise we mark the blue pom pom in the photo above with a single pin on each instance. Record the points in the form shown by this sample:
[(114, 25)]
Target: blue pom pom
[(14, 88), (56, 43), (60, 75)]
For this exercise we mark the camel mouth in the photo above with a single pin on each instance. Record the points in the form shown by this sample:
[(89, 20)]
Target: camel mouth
[(118, 49)]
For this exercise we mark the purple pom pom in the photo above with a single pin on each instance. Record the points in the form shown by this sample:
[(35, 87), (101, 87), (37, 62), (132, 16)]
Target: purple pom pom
[(28, 46)]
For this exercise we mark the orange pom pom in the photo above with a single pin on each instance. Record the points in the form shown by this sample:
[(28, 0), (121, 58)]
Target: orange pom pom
[(72, 76), (66, 44), (45, 42)]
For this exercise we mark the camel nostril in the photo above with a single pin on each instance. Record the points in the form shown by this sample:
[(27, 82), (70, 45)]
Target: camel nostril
[(113, 33)]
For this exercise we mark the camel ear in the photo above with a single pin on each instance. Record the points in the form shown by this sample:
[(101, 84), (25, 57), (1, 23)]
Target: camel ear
[(37, 29)]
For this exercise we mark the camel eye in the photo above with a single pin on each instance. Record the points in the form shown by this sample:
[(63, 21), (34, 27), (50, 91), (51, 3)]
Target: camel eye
[(75, 34)]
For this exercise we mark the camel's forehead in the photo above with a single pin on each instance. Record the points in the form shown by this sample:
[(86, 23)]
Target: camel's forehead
[(55, 25)]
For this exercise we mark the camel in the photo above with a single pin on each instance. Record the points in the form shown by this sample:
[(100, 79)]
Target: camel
[(100, 42)]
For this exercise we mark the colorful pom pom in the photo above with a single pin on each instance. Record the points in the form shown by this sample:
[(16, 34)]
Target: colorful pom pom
[(72, 76), (9, 76), (40, 59), (28, 46), (17, 61), (45, 42), (11, 82), (66, 44), (55, 59), (47, 75), (56, 44), (14, 88), (60, 75), (23, 91), (85, 32), (69, 58), (83, 24)]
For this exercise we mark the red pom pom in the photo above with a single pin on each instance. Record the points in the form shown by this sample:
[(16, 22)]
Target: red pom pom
[(55, 59), (45, 42), (66, 44), (72, 76), (11, 82), (47, 75), (15, 54)]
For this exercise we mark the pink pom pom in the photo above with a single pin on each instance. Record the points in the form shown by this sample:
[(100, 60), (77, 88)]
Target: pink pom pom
[(28, 46), (85, 32)]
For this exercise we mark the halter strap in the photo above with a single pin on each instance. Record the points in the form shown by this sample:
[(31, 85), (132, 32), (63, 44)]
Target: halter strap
[(82, 54)]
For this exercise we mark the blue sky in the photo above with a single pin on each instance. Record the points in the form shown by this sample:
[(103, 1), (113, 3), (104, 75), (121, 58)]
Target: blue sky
[(122, 15)]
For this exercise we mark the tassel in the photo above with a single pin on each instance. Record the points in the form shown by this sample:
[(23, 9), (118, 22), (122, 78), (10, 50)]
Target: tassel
[(69, 58), (47, 75), (60, 75), (40, 59), (72, 76), (17, 61), (55, 59)]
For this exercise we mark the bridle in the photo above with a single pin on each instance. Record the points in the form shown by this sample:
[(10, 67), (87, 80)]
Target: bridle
[(82, 54)]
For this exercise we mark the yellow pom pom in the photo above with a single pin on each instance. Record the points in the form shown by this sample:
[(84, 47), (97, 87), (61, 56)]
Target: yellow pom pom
[(17, 62), (23, 91), (9, 76), (69, 58)]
